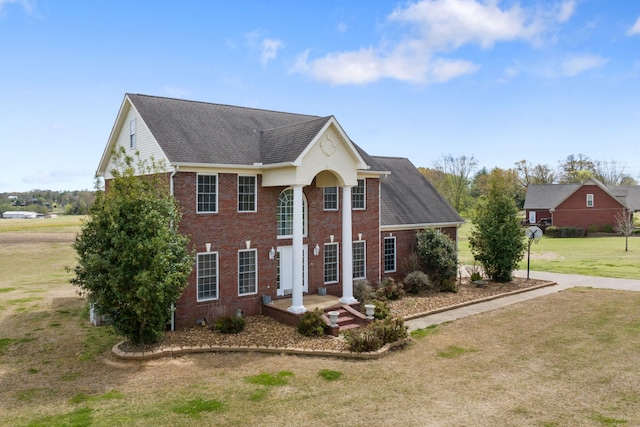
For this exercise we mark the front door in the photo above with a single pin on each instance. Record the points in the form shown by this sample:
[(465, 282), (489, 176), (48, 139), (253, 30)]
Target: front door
[(285, 270)]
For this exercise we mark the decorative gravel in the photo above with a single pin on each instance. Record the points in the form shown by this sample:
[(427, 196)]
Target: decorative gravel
[(264, 331)]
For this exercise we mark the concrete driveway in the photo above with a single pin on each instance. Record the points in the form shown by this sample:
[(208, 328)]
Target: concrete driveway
[(564, 281)]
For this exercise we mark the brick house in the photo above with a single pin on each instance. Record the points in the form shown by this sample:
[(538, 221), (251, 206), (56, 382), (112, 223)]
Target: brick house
[(586, 204), (244, 179)]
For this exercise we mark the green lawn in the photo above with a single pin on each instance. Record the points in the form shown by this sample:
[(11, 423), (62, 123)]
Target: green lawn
[(591, 256)]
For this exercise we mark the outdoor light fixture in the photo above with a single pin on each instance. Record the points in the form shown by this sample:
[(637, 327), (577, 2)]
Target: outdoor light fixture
[(316, 250), (272, 253)]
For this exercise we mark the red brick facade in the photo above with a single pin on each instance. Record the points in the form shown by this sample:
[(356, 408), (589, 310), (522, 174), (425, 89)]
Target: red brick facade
[(228, 230)]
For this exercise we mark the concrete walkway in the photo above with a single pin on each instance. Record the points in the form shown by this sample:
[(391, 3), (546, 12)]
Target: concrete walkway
[(564, 281)]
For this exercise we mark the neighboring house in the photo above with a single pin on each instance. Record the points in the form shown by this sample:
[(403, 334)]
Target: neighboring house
[(20, 215), (587, 204), (277, 205)]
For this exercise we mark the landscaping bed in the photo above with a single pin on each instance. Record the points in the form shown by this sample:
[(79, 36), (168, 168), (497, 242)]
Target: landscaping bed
[(267, 332)]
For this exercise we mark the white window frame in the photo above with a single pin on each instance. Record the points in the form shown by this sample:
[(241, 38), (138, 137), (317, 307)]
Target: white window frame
[(390, 238), (290, 214), (198, 277), (254, 285), (590, 200), (354, 205), (217, 191), (255, 194), (132, 134), (328, 199), (336, 262), (363, 260)]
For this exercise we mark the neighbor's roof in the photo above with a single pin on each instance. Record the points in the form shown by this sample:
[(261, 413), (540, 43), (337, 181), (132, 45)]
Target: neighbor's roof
[(407, 198), (200, 132), (549, 196)]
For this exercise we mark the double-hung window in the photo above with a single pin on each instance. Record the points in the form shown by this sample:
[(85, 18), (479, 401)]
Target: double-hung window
[(246, 193), (389, 254), (207, 276), (207, 193), (132, 133), (359, 260), (589, 200), (330, 262), (358, 199), (330, 198), (247, 272)]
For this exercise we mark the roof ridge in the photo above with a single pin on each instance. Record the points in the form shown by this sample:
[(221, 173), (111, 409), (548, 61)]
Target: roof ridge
[(223, 105)]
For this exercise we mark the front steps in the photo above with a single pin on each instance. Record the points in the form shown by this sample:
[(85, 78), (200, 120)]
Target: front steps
[(348, 318)]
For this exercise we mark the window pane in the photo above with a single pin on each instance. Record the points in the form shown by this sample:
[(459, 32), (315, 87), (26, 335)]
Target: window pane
[(358, 195), (330, 198), (284, 214), (389, 254), (207, 193), (247, 272), (359, 263), (331, 262), (246, 193), (207, 276)]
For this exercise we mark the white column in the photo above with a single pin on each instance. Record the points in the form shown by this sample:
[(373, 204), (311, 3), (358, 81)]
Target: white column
[(298, 228), (347, 249)]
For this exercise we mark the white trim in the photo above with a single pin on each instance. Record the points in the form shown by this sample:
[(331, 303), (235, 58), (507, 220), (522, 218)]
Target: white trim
[(364, 195), (324, 252), (591, 199), (255, 193), (217, 257), (384, 254), (217, 193), (404, 227), (324, 200), (255, 261), (364, 260)]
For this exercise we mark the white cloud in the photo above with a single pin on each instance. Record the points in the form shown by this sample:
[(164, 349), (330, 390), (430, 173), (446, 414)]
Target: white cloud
[(270, 49), (436, 27), (26, 5), (342, 27), (635, 28), (580, 63)]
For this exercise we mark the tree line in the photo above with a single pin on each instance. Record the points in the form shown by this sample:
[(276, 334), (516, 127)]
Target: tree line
[(48, 201), (461, 182)]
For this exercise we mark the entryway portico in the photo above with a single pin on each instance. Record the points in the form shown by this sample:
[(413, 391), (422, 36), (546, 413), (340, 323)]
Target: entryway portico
[(328, 159)]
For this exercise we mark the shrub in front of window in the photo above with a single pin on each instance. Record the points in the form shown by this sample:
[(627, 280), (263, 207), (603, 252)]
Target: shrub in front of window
[(439, 258), (416, 282), (311, 323), (363, 292), (229, 324), (388, 289)]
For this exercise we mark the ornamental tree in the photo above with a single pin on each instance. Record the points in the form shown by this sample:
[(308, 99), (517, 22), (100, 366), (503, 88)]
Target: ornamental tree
[(497, 239), (132, 262)]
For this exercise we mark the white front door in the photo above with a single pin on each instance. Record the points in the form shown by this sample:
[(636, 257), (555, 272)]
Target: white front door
[(532, 217), (285, 270)]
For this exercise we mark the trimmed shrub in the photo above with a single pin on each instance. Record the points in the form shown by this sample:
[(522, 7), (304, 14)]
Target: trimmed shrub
[(311, 323), (390, 329), (229, 324), (382, 310), (362, 340), (363, 292), (416, 281), (439, 258), (389, 289)]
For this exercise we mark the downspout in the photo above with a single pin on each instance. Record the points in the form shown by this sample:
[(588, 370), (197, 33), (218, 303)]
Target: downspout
[(173, 305)]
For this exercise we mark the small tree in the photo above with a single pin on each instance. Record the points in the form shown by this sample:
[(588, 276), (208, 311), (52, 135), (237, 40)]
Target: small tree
[(439, 258), (132, 262), (623, 224), (497, 240)]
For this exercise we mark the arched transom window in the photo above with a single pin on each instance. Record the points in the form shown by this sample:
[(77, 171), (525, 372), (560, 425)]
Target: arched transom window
[(285, 214)]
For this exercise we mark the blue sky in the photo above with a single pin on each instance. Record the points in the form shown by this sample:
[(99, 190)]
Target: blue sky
[(500, 80)]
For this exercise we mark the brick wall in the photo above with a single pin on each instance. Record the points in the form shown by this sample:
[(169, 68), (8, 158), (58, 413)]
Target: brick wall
[(574, 212)]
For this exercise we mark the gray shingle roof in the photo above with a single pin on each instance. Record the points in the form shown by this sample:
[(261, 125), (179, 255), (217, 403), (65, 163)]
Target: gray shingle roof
[(549, 196), (285, 143), (200, 132), (406, 197)]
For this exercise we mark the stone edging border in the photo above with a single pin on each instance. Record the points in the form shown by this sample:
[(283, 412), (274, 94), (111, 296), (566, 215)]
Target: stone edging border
[(179, 351)]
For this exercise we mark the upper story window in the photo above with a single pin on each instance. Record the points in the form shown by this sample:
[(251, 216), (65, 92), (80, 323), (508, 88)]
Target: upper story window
[(207, 276), (358, 199), (589, 200), (132, 133), (246, 193), (247, 272), (284, 214), (389, 254), (330, 198), (207, 193)]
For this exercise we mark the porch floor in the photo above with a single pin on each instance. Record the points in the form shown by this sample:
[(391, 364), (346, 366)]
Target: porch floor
[(310, 302)]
